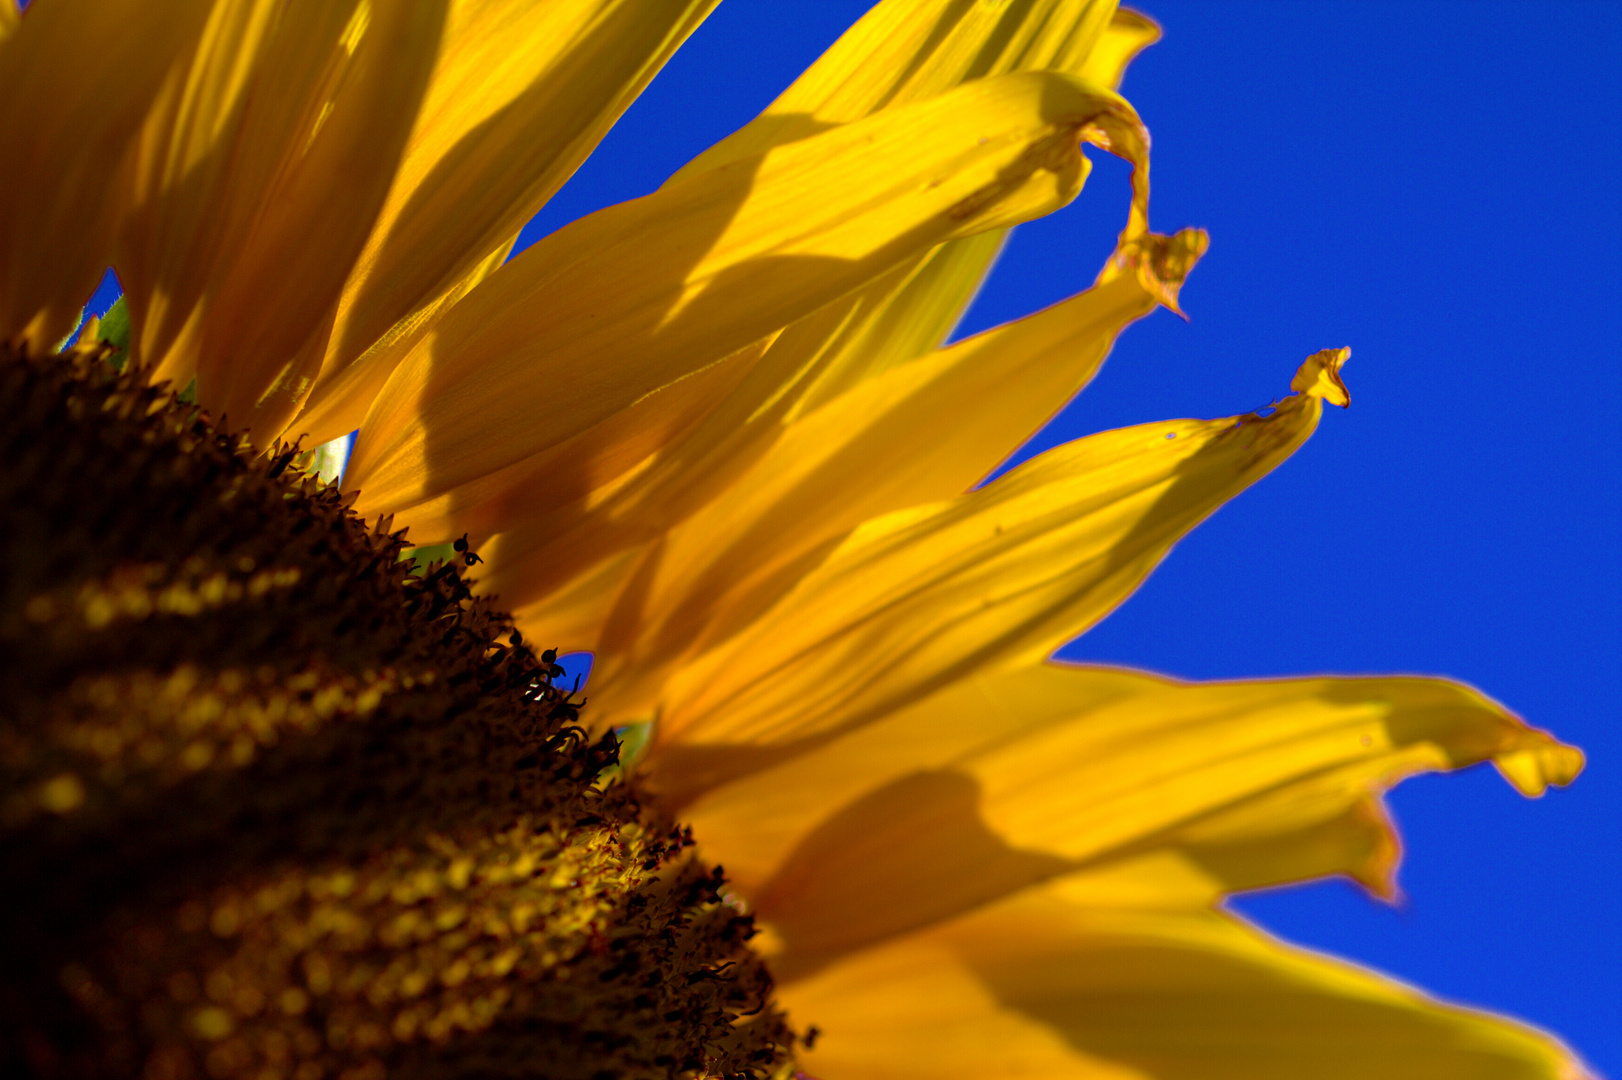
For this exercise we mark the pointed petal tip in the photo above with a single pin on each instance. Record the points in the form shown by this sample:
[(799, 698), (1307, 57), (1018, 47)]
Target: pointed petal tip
[(1376, 871), (1134, 19), (1319, 377)]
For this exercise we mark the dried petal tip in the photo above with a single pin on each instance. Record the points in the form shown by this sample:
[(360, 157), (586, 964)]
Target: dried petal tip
[(1533, 763), (1319, 377), (1161, 263)]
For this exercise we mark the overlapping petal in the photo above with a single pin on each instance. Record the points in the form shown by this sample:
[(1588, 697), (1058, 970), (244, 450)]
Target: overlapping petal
[(833, 348), (1066, 981), (67, 128), (638, 296), (521, 93), (909, 600), (255, 178), (599, 506), (284, 189), (744, 499), (716, 441), (1007, 779), (1127, 34), (904, 51)]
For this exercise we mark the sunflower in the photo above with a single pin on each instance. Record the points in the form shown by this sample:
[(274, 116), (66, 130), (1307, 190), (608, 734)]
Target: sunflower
[(711, 436)]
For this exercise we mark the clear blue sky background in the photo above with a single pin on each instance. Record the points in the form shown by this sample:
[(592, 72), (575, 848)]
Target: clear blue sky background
[(1436, 185)]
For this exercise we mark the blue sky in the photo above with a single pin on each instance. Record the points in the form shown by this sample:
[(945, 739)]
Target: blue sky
[(1433, 184)]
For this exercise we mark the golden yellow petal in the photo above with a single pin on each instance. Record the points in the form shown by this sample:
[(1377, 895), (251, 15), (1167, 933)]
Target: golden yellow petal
[(585, 481), (1005, 574), (1319, 376), (521, 94), (639, 295), (858, 336), (1127, 34), (65, 130), (545, 538), (738, 469), (1007, 779), (898, 53), (757, 493), (915, 1010), (1163, 993), (883, 327), (256, 180), (10, 17), (904, 51)]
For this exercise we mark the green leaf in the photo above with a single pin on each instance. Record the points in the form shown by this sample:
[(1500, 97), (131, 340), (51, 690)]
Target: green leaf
[(115, 331)]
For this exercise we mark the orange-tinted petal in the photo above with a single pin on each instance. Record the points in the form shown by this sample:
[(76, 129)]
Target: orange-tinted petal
[(637, 296), (257, 176), (522, 92), (65, 132)]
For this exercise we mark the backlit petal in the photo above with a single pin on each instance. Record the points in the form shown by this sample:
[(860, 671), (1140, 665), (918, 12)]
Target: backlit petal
[(1320, 377), (1127, 34), (639, 295), (1004, 574), (762, 499), (1048, 982), (896, 318), (1008, 779), (256, 180), (904, 51), (66, 128), (521, 93)]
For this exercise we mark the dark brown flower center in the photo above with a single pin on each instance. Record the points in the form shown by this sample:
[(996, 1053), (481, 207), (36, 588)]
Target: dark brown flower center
[(277, 805)]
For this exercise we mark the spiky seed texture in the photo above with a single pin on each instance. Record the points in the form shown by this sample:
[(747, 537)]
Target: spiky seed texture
[(279, 804)]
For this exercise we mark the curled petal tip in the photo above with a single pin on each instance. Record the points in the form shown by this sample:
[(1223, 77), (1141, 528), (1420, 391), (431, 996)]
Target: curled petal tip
[(1319, 377), (1161, 263), (1166, 262), (1539, 762)]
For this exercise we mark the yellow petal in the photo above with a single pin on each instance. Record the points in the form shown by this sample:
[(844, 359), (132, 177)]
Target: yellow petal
[(759, 495), (874, 331), (1045, 984), (1001, 575), (580, 481), (66, 127), (1319, 376), (860, 335), (658, 460), (256, 180), (1007, 779), (1127, 34), (898, 53), (571, 511), (521, 94), (903, 51), (10, 17), (896, 319), (636, 296)]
